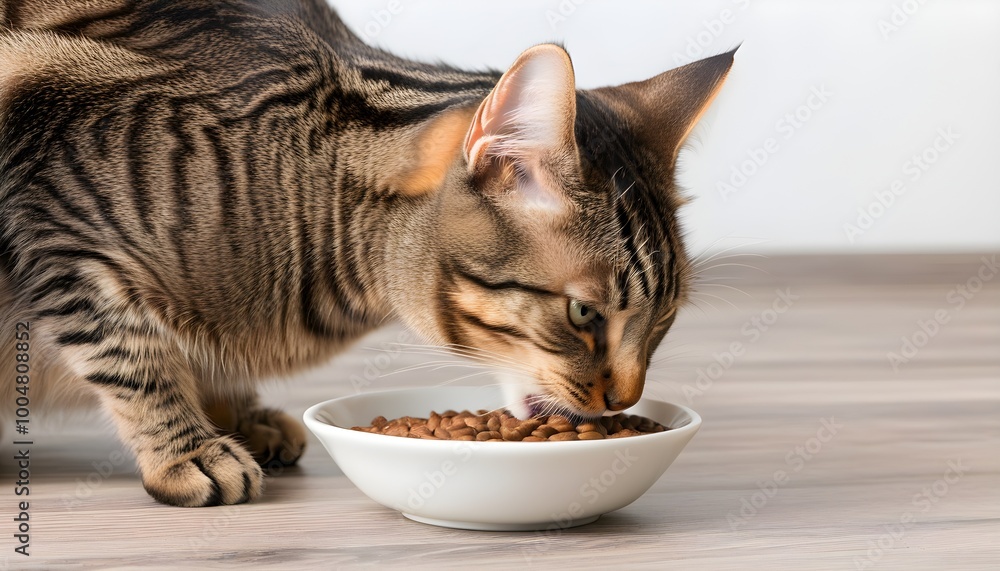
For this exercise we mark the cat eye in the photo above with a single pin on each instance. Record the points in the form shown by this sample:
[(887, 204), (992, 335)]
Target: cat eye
[(580, 314)]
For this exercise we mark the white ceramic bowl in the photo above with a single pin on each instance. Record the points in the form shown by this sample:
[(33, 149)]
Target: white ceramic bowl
[(493, 485)]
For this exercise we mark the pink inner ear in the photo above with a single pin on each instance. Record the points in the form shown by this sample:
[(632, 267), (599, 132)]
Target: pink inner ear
[(494, 117), (531, 109), (477, 140)]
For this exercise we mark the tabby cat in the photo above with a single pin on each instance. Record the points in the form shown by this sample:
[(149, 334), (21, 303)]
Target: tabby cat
[(198, 194)]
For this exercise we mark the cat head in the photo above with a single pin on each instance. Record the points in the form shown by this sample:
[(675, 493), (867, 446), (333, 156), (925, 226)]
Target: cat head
[(560, 257)]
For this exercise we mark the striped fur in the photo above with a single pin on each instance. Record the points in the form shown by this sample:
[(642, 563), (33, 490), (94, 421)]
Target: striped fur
[(196, 195)]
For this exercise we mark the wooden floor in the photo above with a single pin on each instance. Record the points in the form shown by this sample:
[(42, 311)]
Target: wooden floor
[(883, 468)]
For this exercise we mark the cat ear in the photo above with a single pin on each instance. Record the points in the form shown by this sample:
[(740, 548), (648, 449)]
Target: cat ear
[(431, 153), (530, 112), (529, 117), (664, 110)]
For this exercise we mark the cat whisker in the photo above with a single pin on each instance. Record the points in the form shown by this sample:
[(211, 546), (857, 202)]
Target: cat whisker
[(718, 278), (724, 254), (696, 300), (624, 192), (731, 304), (686, 353), (464, 377), (736, 289), (465, 351), (433, 366), (385, 318), (490, 356), (701, 258), (694, 305), (670, 359), (468, 361), (481, 360), (708, 248), (700, 272)]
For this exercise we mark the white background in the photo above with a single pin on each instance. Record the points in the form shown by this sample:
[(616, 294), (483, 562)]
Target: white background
[(898, 73)]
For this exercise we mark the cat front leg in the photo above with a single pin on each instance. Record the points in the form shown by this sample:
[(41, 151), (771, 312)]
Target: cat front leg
[(138, 369)]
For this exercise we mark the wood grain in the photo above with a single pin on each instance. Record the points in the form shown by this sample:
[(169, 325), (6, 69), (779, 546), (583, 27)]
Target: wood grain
[(822, 360)]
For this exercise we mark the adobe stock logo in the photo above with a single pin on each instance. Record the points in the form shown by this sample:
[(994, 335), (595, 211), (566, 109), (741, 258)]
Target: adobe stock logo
[(923, 501), (786, 126), (795, 461), (698, 45), (381, 19), (913, 169), (899, 17), (754, 328), (956, 300), (434, 480), (563, 12)]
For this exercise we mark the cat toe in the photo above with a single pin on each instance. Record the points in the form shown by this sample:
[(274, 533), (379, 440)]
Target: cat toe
[(219, 472), (274, 438)]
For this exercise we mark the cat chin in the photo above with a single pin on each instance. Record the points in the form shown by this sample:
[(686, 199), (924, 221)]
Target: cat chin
[(523, 398), (517, 394)]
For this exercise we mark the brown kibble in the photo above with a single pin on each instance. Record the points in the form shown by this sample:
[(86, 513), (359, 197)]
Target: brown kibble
[(467, 431), (397, 430), (421, 431), (512, 435), (561, 423), (624, 433), (531, 425), (434, 421), (544, 431), (592, 427), (488, 435), (502, 426)]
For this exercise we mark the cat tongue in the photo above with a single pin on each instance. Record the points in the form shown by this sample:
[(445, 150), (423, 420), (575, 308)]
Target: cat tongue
[(530, 402)]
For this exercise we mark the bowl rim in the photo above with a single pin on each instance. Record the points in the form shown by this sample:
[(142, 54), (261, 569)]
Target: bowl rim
[(315, 424)]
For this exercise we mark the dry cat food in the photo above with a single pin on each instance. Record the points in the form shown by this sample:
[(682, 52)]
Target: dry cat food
[(486, 426)]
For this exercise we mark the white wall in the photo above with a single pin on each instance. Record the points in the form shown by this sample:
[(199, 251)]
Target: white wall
[(896, 74)]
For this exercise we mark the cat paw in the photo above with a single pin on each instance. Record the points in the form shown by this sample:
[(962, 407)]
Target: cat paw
[(273, 437), (220, 471)]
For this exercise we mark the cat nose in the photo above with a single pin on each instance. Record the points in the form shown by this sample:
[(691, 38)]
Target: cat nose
[(614, 406), (610, 401), (621, 391)]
